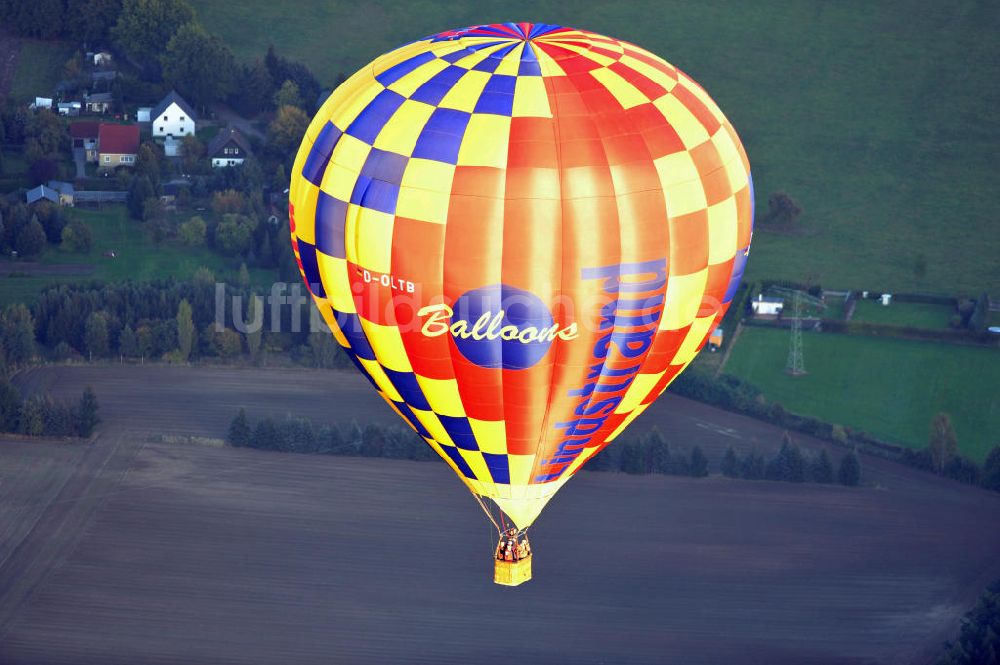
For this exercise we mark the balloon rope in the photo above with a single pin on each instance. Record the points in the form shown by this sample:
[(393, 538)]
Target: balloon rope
[(486, 510)]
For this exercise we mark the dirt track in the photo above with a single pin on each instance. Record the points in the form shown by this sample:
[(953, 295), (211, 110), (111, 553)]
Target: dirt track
[(167, 554)]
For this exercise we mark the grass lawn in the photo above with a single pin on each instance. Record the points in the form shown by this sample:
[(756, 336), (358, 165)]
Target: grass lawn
[(914, 314), (138, 258), (39, 68), (890, 388), (880, 119)]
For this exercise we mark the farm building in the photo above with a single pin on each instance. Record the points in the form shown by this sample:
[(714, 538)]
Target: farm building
[(767, 307), (173, 117), (41, 193), (98, 102), (65, 190), (69, 108), (228, 148), (102, 58), (41, 103), (117, 145)]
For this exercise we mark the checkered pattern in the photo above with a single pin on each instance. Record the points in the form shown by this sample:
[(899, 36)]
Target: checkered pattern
[(519, 154)]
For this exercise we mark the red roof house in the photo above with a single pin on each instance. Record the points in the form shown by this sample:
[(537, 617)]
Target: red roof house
[(117, 145)]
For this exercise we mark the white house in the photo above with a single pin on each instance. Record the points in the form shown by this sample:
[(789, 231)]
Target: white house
[(228, 148), (767, 306), (172, 117)]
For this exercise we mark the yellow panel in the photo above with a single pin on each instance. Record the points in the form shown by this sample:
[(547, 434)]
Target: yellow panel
[(336, 283), (520, 469), (350, 153), (637, 392), (408, 84), (628, 421), (378, 376), (684, 294), (580, 460), (530, 98), (387, 345), (676, 168), (338, 181), (685, 198), (400, 133), (482, 145), (512, 62), (626, 93), (722, 227), (475, 460), (723, 142), (373, 235), (466, 92), (331, 320), (305, 206), (691, 131), (433, 426), (650, 72), (585, 51), (548, 65), (695, 335), (700, 93), (491, 435), (343, 94), (442, 395), (427, 206), (428, 174), (738, 176)]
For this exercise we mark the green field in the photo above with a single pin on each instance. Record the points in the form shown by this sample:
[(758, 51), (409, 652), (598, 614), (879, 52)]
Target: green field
[(914, 314), (880, 119), (137, 258), (39, 68), (890, 388)]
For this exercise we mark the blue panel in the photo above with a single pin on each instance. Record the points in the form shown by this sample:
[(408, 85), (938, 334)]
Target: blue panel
[(498, 467), (409, 389), (434, 90), (375, 194), (371, 120), (441, 137), (479, 47), (459, 461), (361, 368), (489, 64), (409, 415), (401, 69), (455, 56), (350, 325), (385, 166), (501, 83), (498, 96), (319, 156), (529, 68), (331, 214), (307, 254), (460, 431), (739, 264)]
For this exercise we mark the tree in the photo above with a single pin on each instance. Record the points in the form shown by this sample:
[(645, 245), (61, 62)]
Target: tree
[(255, 90), (752, 466), (77, 237), (821, 469), (31, 239), (243, 276), (128, 345), (140, 191), (699, 463), (991, 470), (657, 454), (200, 66), (192, 151), (87, 418), (145, 27), (92, 20), (288, 95), (239, 430), (979, 640), (782, 210), (96, 334), (192, 232), (10, 407), (31, 420), (943, 443), (285, 132), (147, 163), (980, 318), (255, 330), (849, 472), (18, 328), (185, 330), (633, 460), (730, 463), (280, 179)]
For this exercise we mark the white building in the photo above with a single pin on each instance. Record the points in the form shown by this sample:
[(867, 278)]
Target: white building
[(767, 306), (172, 117)]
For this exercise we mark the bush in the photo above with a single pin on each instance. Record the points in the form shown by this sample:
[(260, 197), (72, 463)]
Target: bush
[(849, 473)]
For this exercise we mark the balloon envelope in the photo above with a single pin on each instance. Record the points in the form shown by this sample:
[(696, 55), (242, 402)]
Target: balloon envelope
[(521, 234)]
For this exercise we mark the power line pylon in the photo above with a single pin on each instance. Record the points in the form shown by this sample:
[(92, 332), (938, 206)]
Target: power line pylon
[(796, 365)]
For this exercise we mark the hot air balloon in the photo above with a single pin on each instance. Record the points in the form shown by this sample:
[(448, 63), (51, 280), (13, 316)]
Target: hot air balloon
[(521, 234)]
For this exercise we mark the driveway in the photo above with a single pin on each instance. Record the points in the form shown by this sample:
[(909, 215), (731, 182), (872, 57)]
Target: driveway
[(80, 159)]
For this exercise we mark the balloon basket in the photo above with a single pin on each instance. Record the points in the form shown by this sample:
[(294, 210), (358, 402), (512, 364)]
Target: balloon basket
[(512, 573)]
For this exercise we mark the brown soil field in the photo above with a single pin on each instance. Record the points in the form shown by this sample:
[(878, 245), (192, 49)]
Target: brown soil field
[(120, 551)]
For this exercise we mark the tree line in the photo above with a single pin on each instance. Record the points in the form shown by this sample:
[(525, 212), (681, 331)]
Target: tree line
[(640, 454), (42, 416), (978, 642)]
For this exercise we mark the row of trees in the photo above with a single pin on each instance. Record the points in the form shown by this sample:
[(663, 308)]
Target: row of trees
[(978, 642), (644, 454), (29, 229), (41, 416)]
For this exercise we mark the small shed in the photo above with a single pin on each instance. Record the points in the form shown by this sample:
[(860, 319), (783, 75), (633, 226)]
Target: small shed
[(102, 58), (98, 102), (65, 190), (142, 113), (42, 103), (69, 108), (886, 299), (767, 307), (41, 193)]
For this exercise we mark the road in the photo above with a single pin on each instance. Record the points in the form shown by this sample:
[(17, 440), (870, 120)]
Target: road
[(134, 552)]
